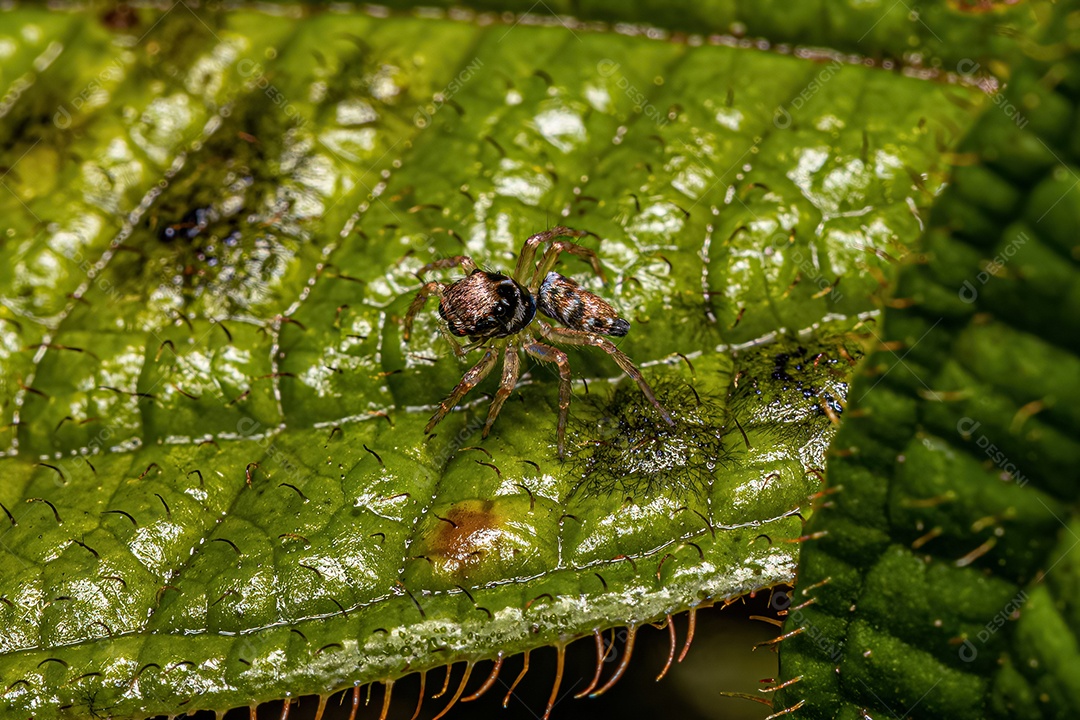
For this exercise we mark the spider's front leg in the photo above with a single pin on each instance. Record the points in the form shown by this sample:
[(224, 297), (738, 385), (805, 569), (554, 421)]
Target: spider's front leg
[(551, 256), (567, 336), (527, 256), (471, 379), (546, 353)]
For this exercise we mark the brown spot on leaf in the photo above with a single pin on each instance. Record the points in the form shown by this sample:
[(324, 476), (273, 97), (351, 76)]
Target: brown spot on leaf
[(478, 540), (466, 533)]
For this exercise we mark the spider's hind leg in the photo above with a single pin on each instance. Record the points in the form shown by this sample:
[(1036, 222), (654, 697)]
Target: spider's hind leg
[(580, 337), (546, 353)]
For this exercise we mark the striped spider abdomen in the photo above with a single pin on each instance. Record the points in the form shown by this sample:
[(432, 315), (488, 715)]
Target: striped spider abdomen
[(562, 299)]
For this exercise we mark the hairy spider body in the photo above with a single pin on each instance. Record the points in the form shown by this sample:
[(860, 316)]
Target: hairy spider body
[(498, 313), (486, 305)]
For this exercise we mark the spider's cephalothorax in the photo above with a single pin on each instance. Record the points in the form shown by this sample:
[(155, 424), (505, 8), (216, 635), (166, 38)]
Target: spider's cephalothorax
[(487, 307)]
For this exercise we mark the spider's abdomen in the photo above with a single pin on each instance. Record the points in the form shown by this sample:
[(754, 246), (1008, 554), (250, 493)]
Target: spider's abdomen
[(562, 299), (486, 305)]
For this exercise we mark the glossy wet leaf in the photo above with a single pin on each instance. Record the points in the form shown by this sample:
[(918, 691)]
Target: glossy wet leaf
[(942, 580), (218, 485), (952, 36)]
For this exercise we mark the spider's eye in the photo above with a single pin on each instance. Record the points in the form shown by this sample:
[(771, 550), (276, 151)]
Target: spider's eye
[(507, 290), (509, 297)]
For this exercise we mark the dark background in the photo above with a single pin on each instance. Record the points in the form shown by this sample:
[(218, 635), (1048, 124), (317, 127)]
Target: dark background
[(721, 659)]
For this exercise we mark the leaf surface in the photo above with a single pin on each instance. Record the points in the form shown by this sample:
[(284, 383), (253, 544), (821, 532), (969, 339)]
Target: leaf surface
[(941, 579), (219, 487)]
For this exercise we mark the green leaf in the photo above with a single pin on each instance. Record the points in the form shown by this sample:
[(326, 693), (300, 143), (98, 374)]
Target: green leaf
[(933, 36), (942, 578), (217, 487)]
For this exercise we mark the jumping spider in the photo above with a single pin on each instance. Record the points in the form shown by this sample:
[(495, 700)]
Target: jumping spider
[(496, 311)]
